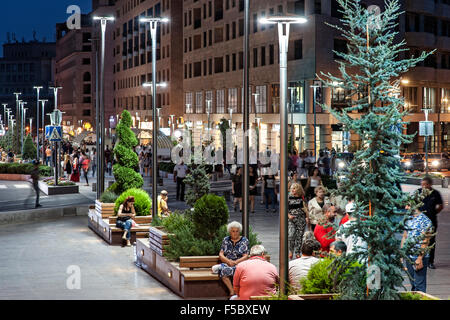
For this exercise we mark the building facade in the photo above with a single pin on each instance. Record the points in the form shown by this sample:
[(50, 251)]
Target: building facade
[(25, 65), (213, 68), (133, 61)]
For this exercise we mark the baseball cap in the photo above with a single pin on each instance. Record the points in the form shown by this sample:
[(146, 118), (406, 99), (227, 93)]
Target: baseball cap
[(350, 207)]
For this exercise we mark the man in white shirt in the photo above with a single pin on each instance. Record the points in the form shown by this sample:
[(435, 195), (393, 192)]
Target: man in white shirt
[(299, 268), (351, 241), (179, 173)]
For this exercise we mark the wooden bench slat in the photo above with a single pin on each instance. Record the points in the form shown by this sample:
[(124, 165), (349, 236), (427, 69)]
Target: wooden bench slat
[(198, 275)]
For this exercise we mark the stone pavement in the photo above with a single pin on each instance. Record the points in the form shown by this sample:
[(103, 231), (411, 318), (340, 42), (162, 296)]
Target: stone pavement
[(105, 267)]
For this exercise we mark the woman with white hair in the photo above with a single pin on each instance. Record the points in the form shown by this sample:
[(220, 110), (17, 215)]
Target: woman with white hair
[(234, 249)]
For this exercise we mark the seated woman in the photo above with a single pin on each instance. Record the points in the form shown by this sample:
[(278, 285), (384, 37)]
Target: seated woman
[(235, 249), (163, 208), (125, 215)]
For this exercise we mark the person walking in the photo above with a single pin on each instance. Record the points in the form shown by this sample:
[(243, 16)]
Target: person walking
[(253, 178), (85, 167), (146, 161), (94, 161), (432, 205), (419, 229), (314, 180), (236, 187), (142, 158), (35, 178), (270, 192), (297, 219), (68, 166), (179, 173), (316, 205), (48, 156), (108, 160)]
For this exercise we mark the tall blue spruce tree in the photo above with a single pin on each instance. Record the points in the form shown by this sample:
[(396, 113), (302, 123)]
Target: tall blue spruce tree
[(370, 75)]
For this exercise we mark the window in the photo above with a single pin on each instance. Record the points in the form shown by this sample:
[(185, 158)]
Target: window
[(218, 10), (199, 102), (298, 49), (233, 30), (255, 57), (241, 27), (299, 7), (234, 61), (445, 100), (232, 99), (197, 69), (205, 71), (205, 42), (339, 46), (188, 102), (210, 37), (210, 66), (429, 98), (86, 61), (263, 56), (261, 102), (227, 32), (218, 65), (227, 63), (297, 96), (317, 6), (197, 18), (218, 35), (241, 60), (271, 54), (209, 97), (430, 24), (255, 23), (87, 89), (220, 101), (86, 76), (430, 61), (86, 112)]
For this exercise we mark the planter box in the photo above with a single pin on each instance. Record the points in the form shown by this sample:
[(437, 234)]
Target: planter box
[(331, 296), (158, 238), (53, 190), (104, 209), (14, 177)]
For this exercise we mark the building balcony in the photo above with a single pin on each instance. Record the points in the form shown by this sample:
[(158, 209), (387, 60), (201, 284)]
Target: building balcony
[(420, 6), (420, 39)]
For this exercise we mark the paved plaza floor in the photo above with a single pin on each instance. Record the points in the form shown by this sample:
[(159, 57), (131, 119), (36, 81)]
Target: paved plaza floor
[(35, 258)]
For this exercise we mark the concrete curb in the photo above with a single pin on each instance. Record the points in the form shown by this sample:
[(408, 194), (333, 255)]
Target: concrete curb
[(12, 217)]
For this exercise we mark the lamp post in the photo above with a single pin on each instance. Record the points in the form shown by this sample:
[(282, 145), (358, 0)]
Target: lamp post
[(291, 110), (43, 101), (17, 94), (315, 86), (31, 125), (283, 23), (38, 88), (426, 111), (22, 120), (172, 124), (153, 23), (100, 127), (57, 163), (5, 105), (208, 112)]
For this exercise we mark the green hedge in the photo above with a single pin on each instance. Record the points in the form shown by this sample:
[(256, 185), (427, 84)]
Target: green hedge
[(142, 202), (210, 213), (24, 168), (166, 166)]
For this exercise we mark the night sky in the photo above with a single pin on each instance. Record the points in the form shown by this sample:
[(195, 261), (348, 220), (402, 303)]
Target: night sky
[(38, 15)]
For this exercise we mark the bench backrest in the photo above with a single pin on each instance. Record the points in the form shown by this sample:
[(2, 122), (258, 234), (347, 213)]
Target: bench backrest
[(202, 261)]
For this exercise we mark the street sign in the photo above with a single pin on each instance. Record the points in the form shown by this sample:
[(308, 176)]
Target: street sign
[(426, 128), (53, 133)]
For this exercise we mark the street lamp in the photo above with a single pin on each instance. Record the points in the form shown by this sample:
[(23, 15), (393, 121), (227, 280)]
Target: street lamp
[(171, 122), (283, 23), (4, 110), (291, 110), (17, 94), (22, 110), (100, 131), (208, 112), (38, 88), (426, 111), (43, 101), (153, 23)]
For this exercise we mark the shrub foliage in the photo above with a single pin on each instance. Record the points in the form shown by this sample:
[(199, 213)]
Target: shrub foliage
[(142, 203)]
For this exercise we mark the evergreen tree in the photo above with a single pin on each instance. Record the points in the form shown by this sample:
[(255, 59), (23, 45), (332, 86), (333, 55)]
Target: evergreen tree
[(126, 170), (369, 74), (29, 149), (197, 182)]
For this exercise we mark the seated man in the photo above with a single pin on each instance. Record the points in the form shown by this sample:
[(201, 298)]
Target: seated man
[(256, 276), (338, 248), (324, 232), (299, 268), (163, 208)]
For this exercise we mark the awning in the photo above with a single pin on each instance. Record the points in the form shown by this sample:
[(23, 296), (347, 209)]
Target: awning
[(164, 141)]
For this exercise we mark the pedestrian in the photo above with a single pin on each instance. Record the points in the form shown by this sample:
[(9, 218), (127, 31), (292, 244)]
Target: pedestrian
[(314, 180), (297, 219), (94, 161), (35, 178), (418, 230), (75, 177), (326, 164), (233, 251), (108, 160), (316, 205), (179, 174), (432, 205), (253, 178), (310, 161), (142, 157), (124, 221), (325, 231), (163, 208), (10, 156), (147, 160), (68, 166), (48, 155), (85, 167), (236, 187), (270, 192), (255, 276), (338, 248), (301, 166), (300, 267)]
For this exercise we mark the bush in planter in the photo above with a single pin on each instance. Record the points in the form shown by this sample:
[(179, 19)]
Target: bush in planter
[(126, 170), (142, 202), (108, 197), (197, 183), (210, 213), (24, 168)]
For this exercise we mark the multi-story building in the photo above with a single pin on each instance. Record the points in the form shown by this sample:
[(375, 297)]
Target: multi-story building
[(74, 75), (213, 67), (25, 65), (133, 60), (77, 54)]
